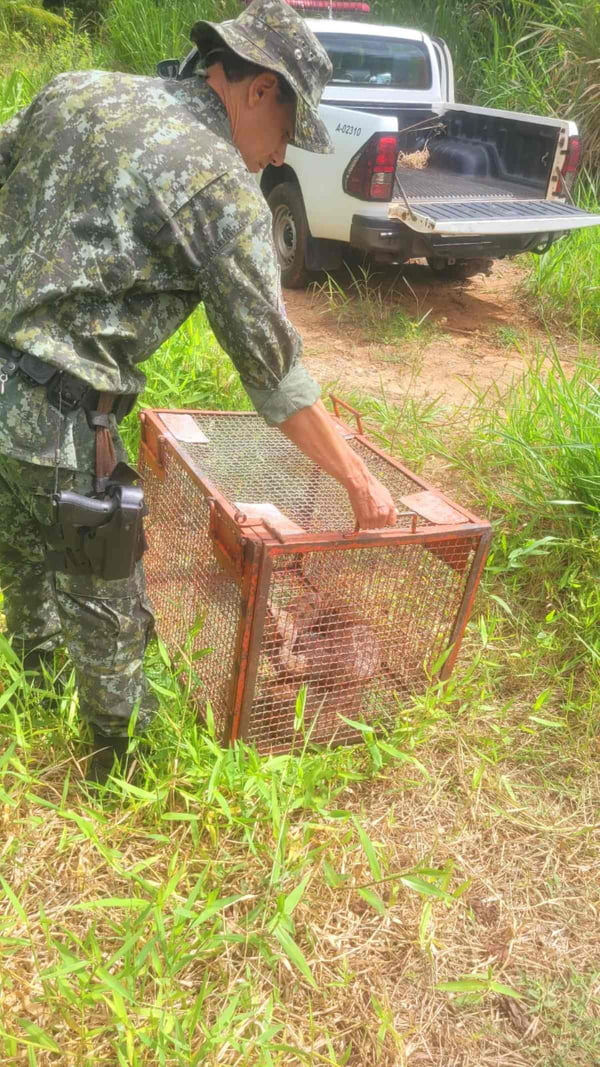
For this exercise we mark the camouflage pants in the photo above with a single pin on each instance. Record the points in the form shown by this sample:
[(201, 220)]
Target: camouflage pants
[(105, 626)]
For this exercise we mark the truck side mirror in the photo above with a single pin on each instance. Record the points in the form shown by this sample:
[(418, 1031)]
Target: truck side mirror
[(167, 68)]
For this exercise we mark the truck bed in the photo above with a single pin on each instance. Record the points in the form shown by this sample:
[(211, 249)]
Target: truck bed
[(434, 183)]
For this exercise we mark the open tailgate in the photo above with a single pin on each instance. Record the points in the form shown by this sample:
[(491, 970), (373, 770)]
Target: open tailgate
[(458, 218)]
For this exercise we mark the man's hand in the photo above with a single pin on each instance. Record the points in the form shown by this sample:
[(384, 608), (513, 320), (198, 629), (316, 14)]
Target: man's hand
[(314, 433), (372, 505)]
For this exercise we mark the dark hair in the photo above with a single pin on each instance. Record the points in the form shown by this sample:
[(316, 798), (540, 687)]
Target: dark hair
[(236, 69)]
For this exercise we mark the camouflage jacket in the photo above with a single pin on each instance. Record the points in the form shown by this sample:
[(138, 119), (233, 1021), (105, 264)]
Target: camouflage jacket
[(124, 204)]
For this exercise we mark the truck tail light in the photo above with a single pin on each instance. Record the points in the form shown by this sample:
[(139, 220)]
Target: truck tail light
[(570, 166), (370, 175)]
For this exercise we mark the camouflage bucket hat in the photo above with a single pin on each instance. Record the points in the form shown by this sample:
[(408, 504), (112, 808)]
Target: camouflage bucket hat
[(273, 35)]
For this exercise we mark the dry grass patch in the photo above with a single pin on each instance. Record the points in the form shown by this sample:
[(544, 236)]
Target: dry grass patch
[(249, 913)]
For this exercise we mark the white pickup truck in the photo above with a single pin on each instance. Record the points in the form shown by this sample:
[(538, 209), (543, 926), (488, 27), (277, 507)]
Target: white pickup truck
[(495, 183)]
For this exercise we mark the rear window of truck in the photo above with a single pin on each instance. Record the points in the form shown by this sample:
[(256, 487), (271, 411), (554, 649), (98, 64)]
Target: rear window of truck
[(377, 61)]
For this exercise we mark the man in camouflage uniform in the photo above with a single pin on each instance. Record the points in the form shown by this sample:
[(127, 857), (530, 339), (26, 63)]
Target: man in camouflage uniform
[(124, 202)]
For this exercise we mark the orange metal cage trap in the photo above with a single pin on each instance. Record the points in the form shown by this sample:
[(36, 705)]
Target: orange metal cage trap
[(256, 580)]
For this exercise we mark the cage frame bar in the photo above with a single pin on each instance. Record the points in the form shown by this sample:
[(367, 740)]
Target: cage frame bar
[(466, 605), (253, 589), (245, 694), (153, 427), (250, 552)]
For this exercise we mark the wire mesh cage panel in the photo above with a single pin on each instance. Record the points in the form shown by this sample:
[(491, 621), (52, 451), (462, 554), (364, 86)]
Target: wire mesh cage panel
[(261, 588), (197, 604)]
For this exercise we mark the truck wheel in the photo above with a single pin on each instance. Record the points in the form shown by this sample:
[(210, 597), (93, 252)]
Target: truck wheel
[(290, 234)]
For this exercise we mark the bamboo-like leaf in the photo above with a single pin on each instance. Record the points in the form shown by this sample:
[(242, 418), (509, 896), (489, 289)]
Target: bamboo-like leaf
[(128, 903), (475, 984), (464, 985), (219, 905), (369, 851), (373, 899), (14, 900), (425, 923), (362, 727), (115, 986), (427, 889), (505, 990), (38, 1037), (331, 876), (293, 899), (294, 954)]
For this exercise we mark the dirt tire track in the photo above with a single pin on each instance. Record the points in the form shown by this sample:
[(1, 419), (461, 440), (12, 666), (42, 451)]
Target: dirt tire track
[(473, 317)]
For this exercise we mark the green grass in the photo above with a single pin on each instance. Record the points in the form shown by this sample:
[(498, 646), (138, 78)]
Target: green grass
[(363, 299), (189, 371), (328, 906), (566, 279), (139, 33), (509, 336), (542, 443), (414, 429), (229, 908), (535, 455)]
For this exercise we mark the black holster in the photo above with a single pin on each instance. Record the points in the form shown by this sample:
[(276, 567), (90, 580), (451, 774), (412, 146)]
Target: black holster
[(102, 535)]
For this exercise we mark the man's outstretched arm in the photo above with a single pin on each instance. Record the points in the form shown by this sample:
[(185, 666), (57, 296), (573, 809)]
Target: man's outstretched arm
[(314, 433), (242, 298)]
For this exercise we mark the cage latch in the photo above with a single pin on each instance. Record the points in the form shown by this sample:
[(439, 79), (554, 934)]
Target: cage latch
[(152, 447), (228, 546)]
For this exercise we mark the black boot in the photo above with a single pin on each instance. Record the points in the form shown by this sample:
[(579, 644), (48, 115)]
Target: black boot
[(110, 754)]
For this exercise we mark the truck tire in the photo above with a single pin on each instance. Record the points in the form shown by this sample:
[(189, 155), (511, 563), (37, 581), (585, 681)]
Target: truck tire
[(290, 234)]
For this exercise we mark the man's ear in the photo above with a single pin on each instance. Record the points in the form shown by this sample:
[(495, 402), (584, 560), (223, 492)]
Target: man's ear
[(261, 86)]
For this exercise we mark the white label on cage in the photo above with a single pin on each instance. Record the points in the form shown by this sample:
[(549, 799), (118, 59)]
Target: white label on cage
[(184, 427), (270, 515)]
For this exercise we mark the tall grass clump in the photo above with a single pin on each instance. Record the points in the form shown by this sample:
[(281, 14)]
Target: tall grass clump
[(534, 454), (15, 92), (541, 441), (17, 16), (569, 33), (38, 57), (566, 279), (139, 33)]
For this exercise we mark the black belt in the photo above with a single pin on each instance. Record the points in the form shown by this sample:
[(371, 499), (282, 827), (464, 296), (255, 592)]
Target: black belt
[(64, 391)]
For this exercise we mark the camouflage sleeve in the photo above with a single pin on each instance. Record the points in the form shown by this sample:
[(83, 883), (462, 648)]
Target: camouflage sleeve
[(8, 133), (244, 305), (238, 280)]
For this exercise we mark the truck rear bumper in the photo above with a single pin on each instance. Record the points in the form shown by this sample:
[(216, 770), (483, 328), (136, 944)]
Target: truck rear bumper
[(393, 242)]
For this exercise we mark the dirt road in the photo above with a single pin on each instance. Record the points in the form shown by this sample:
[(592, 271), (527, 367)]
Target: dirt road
[(482, 328)]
